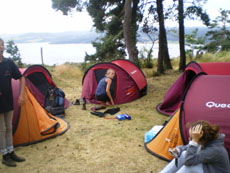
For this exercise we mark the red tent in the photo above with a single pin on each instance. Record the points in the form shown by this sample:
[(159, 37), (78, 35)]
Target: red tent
[(206, 97), (129, 83), (175, 93)]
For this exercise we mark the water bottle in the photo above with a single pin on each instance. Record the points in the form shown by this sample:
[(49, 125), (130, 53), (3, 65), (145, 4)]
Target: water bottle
[(149, 136), (127, 116), (120, 117)]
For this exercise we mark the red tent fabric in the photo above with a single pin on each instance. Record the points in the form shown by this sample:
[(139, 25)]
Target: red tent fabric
[(216, 68), (129, 83), (174, 95), (207, 97), (38, 80)]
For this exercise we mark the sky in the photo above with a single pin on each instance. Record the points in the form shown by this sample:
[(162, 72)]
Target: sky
[(23, 16)]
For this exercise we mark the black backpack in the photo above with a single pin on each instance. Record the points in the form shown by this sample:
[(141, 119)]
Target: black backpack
[(55, 101)]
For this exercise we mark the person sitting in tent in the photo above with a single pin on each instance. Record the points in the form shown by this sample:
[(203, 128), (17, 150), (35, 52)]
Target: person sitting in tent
[(103, 93), (8, 70), (205, 151)]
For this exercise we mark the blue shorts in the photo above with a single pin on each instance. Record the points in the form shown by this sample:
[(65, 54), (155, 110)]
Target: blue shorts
[(103, 98)]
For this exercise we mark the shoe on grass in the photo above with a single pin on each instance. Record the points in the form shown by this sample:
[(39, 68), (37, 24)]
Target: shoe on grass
[(6, 160), (16, 158)]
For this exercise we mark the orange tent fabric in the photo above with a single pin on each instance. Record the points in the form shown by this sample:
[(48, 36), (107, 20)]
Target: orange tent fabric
[(168, 137), (35, 123)]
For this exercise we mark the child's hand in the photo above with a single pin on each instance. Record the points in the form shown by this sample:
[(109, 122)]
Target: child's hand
[(112, 102), (196, 133), (21, 100), (174, 152)]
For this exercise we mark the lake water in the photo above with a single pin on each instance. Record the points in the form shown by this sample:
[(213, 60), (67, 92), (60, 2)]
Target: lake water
[(61, 53)]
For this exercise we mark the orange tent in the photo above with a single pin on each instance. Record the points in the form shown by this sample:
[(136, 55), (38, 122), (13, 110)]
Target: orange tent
[(168, 137), (31, 122)]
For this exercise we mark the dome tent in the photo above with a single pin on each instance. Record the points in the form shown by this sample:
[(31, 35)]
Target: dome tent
[(206, 96), (128, 84), (31, 122), (175, 93)]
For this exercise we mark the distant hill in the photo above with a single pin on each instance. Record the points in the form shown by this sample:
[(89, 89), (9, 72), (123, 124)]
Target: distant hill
[(81, 37), (172, 36), (53, 38)]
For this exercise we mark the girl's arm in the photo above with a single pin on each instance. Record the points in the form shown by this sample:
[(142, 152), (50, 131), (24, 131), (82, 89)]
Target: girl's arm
[(21, 99)]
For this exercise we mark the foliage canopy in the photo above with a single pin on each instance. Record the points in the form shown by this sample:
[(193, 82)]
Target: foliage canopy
[(13, 51)]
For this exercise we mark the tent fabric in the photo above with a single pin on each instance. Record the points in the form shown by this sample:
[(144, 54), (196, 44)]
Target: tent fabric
[(168, 137), (129, 83), (31, 122), (216, 68), (35, 124), (173, 97), (38, 80), (134, 72), (206, 97)]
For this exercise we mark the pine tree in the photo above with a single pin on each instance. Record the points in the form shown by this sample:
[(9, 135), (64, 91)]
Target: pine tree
[(219, 34)]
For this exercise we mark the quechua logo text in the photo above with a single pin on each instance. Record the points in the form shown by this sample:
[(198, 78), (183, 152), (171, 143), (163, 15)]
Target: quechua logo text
[(212, 104)]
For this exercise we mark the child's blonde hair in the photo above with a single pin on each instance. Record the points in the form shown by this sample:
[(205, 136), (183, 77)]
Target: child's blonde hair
[(109, 71)]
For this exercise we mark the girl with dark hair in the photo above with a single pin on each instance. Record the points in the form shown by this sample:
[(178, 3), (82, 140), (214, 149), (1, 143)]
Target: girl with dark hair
[(205, 152)]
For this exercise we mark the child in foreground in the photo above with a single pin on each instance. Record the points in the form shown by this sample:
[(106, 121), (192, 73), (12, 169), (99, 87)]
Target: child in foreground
[(205, 152)]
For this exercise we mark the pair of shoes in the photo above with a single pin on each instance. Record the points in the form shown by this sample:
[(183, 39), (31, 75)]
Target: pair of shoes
[(77, 102), (16, 158), (8, 161)]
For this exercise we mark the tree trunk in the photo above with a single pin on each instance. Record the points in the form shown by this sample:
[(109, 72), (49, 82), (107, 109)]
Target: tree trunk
[(128, 30), (182, 64), (134, 28), (165, 42), (161, 50), (167, 61)]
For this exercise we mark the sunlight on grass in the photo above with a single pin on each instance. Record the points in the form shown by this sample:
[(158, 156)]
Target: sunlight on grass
[(218, 57), (67, 71)]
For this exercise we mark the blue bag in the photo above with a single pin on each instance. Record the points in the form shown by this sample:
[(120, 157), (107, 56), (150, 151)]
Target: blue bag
[(55, 101)]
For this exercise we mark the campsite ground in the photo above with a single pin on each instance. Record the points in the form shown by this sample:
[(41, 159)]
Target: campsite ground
[(94, 144), (98, 145)]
